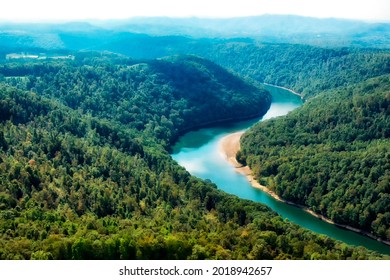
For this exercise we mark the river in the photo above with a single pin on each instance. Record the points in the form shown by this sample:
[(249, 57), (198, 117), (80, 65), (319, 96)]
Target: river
[(198, 152)]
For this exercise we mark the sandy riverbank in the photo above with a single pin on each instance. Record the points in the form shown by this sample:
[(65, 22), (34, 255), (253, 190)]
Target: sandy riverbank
[(230, 145)]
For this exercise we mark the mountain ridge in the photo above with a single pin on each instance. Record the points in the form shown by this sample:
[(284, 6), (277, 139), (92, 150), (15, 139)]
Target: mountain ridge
[(268, 28)]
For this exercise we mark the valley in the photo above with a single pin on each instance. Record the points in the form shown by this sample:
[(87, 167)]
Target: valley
[(109, 145)]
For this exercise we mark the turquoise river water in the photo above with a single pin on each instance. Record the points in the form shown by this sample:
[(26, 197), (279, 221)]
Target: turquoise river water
[(198, 152)]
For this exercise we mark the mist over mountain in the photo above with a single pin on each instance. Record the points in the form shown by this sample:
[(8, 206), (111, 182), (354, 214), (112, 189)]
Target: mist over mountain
[(239, 26), (265, 28)]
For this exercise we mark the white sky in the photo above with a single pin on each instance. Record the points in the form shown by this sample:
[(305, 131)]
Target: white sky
[(59, 10)]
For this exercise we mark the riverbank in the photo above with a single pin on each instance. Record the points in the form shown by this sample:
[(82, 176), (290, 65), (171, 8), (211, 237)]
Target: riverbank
[(230, 145), (284, 88)]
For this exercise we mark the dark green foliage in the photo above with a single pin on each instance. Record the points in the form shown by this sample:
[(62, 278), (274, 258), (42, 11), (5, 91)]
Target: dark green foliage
[(163, 97), (331, 155), (306, 69), (79, 182)]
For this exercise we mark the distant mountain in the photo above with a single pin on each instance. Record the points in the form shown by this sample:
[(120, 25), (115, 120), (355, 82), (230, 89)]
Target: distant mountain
[(266, 28), (249, 26), (272, 28)]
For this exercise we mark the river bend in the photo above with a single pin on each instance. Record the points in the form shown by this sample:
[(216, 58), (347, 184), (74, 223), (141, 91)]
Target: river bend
[(198, 152)]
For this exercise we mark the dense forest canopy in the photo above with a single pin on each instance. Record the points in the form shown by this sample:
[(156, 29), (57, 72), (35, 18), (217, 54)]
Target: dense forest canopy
[(163, 97), (305, 69), (331, 155), (78, 183), (84, 138), (308, 68)]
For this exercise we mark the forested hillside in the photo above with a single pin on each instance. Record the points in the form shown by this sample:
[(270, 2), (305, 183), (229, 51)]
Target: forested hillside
[(85, 174), (305, 69), (162, 98), (332, 155)]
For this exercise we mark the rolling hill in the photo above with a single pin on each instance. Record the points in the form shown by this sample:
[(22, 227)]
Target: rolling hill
[(80, 179)]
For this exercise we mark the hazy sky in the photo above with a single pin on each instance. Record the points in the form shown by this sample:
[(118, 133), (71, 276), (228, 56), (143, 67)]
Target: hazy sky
[(52, 10)]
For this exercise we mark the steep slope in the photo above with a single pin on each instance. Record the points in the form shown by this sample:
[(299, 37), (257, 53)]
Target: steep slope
[(185, 91), (305, 69), (331, 155), (80, 183)]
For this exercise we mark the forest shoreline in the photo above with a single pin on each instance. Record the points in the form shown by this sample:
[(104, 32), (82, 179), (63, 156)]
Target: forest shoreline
[(229, 146), (288, 89)]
